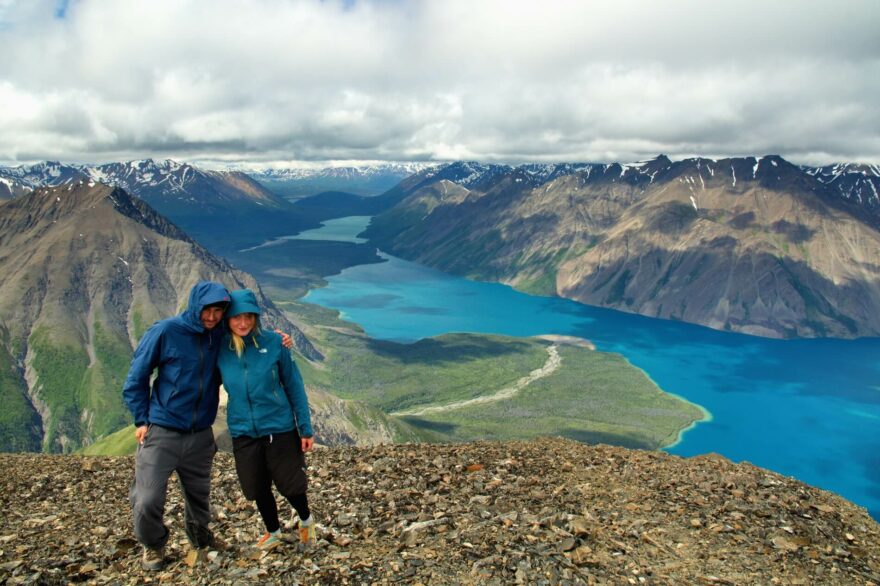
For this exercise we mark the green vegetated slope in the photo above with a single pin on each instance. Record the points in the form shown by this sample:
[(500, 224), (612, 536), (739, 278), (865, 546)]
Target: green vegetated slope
[(19, 422), (84, 400), (595, 397), (451, 367), (118, 443)]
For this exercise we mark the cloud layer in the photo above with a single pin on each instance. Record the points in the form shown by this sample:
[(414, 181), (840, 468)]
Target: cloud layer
[(493, 80)]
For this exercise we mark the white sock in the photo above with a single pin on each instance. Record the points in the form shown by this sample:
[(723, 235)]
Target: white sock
[(306, 522)]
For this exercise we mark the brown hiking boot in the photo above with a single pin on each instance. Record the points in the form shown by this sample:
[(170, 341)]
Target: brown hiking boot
[(154, 559), (217, 544)]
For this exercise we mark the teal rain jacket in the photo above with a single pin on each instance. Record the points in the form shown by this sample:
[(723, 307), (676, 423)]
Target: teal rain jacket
[(266, 391)]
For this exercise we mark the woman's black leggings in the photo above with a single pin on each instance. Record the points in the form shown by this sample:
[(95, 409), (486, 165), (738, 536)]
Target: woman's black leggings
[(269, 509), (274, 458)]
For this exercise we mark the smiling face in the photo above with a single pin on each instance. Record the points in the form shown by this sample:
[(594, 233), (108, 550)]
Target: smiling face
[(243, 323), (211, 316)]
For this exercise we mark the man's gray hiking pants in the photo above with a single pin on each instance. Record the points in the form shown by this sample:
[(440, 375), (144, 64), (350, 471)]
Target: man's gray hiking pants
[(190, 455)]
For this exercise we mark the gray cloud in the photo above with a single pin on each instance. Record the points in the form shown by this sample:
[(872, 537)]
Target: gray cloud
[(387, 79)]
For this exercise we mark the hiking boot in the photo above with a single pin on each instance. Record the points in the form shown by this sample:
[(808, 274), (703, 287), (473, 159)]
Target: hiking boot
[(217, 544), (269, 540), (154, 559), (307, 533)]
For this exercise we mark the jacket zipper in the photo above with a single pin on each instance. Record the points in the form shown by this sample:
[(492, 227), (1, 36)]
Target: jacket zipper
[(247, 393), (201, 382)]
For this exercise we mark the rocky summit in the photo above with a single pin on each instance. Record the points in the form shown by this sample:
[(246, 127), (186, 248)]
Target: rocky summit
[(549, 511)]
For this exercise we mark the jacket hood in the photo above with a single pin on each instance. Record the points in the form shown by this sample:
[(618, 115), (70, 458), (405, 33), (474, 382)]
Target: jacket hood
[(243, 301), (202, 294)]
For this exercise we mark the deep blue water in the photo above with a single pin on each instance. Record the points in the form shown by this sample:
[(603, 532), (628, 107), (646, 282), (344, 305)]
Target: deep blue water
[(804, 408)]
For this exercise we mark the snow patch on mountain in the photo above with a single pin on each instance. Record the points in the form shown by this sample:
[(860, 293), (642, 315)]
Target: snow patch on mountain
[(403, 169), (851, 181)]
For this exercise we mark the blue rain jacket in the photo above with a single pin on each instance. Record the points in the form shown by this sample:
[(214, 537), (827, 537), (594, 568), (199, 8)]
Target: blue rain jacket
[(266, 391), (185, 393)]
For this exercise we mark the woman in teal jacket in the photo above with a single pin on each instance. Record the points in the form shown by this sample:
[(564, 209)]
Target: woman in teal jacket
[(268, 417)]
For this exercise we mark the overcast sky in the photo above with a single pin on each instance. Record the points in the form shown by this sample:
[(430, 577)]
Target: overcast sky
[(263, 81)]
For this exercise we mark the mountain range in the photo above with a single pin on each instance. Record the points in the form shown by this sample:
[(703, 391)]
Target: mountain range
[(224, 210), (754, 245), (365, 180), (86, 269)]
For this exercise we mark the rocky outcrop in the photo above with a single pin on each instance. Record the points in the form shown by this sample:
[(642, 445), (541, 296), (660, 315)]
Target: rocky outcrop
[(758, 246), (548, 511)]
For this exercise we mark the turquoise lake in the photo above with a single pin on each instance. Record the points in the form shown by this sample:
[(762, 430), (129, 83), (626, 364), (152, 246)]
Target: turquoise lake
[(803, 408)]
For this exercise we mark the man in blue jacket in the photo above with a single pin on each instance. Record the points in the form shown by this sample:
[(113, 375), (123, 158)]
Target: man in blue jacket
[(174, 417)]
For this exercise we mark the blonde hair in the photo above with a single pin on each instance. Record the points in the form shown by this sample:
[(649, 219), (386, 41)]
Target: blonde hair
[(237, 343)]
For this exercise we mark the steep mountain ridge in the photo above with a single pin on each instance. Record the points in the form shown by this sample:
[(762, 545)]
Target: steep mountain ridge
[(87, 268), (224, 210), (16, 181), (754, 245), (168, 180)]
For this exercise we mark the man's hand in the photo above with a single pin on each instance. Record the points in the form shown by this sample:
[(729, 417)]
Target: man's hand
[(307, 443), (286, 340), (141, 433)]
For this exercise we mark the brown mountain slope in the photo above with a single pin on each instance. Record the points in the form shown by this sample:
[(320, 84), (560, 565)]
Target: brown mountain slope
[(548, 511), (761, 260), (86, 269), (742, 244)]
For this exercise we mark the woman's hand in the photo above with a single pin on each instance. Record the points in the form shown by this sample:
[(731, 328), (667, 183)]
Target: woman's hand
[(307, 443), (286, 340)]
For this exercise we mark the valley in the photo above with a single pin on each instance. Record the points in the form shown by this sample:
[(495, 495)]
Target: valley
[(419, 355), (802, 407)]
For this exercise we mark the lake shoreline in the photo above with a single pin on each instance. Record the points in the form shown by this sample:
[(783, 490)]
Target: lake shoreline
[(740, 383)]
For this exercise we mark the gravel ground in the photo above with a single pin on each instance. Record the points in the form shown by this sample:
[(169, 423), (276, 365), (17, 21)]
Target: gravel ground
[(549, 511)]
